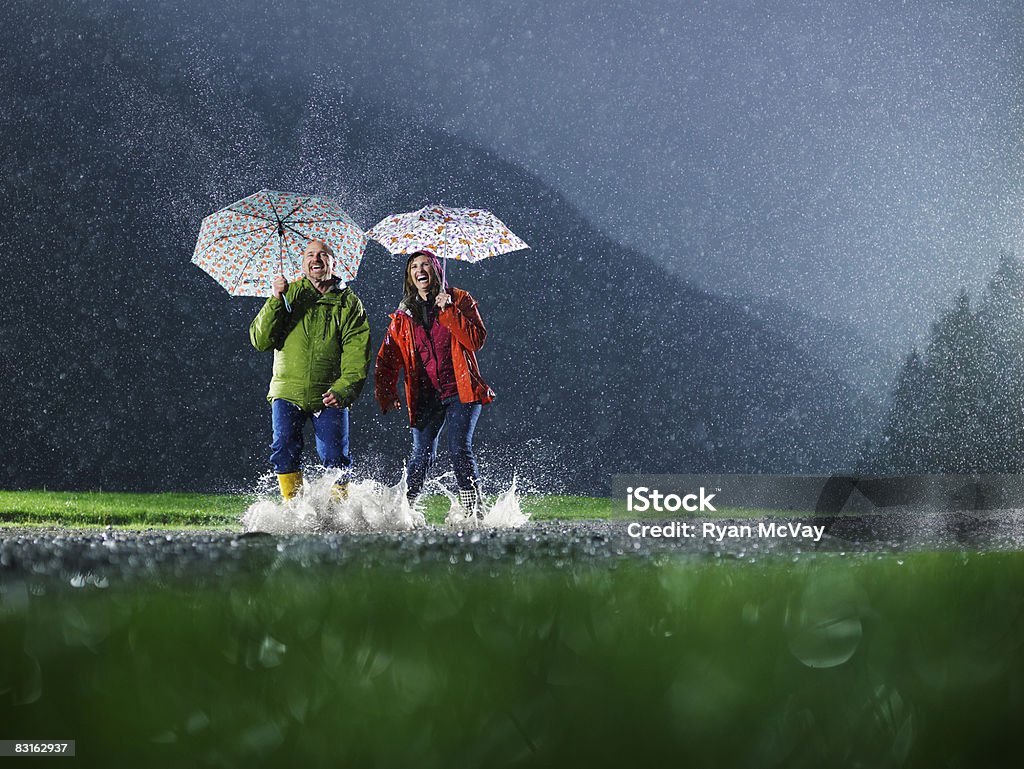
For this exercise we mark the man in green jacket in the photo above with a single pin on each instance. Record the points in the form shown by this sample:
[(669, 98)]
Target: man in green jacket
[(321, 340)]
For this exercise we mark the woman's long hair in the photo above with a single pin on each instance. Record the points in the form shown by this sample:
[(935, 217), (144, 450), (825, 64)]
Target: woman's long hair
[(410, 291)]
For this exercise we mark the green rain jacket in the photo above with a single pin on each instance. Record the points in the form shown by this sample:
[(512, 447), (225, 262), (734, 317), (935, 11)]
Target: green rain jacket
[(323, 343)]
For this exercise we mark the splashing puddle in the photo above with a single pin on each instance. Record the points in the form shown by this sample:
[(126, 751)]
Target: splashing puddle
[(368, 506)]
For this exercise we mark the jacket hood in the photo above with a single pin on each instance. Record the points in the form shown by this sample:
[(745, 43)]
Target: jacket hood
[(435, 262), (337, 293)]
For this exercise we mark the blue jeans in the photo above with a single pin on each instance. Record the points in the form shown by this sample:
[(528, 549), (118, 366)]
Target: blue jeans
[(330, 427), (459, 420)]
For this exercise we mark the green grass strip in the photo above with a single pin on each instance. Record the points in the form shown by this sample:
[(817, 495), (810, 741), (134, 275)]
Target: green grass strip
[(96, 508), (133, 510), (84, 509)]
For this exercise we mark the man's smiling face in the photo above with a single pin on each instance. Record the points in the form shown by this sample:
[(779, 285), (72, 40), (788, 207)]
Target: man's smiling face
[(317, 261)]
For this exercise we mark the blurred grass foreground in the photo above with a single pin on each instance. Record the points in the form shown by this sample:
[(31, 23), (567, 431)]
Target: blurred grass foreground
[(820, 660)]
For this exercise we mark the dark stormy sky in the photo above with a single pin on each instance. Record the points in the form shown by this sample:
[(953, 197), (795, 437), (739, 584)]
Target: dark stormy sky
[(861, 160)]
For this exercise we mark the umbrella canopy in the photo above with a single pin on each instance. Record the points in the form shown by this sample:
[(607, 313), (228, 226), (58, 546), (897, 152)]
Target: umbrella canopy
[(244, 245), (466, 234)]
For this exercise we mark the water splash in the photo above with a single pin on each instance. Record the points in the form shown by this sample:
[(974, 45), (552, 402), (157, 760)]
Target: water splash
[(369, 506), (365, 506), (824, 627), (503, 513)]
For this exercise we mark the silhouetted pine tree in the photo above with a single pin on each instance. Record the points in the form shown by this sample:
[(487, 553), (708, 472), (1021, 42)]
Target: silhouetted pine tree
[(1001, 325), (906, 428), (957, 408), (952, 367)]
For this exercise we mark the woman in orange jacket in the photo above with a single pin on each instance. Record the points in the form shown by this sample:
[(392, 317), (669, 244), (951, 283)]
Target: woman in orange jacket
[(433, 337)]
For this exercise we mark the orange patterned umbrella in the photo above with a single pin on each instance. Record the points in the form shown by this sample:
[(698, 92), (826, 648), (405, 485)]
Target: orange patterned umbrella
[(466, 234)]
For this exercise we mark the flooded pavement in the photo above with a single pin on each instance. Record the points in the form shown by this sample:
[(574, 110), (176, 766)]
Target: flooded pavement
[(123, 554)]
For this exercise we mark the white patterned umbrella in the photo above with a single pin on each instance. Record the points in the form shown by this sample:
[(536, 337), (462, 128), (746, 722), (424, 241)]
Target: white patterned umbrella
[(244, 245), (466, 234)]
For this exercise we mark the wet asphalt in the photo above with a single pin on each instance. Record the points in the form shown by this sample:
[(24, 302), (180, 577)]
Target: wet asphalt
[(99, 557)]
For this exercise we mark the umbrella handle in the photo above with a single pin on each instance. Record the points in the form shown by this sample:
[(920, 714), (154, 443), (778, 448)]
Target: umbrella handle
[(287, 304)]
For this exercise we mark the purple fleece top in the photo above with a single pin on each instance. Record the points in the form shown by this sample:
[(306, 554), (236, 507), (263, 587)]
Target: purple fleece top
[(434, 347)]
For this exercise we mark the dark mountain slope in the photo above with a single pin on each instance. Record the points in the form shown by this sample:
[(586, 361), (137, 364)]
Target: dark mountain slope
[(125, 366)]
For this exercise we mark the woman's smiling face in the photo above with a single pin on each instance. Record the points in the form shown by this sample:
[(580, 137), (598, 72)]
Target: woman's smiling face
[(421, 273)]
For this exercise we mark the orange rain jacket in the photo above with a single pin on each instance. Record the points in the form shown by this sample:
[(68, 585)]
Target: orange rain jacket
[(398, 352)]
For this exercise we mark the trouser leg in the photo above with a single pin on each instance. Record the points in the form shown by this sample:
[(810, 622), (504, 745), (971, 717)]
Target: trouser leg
[(429, 419), (460, 423), (286, 449), (331, 429)]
